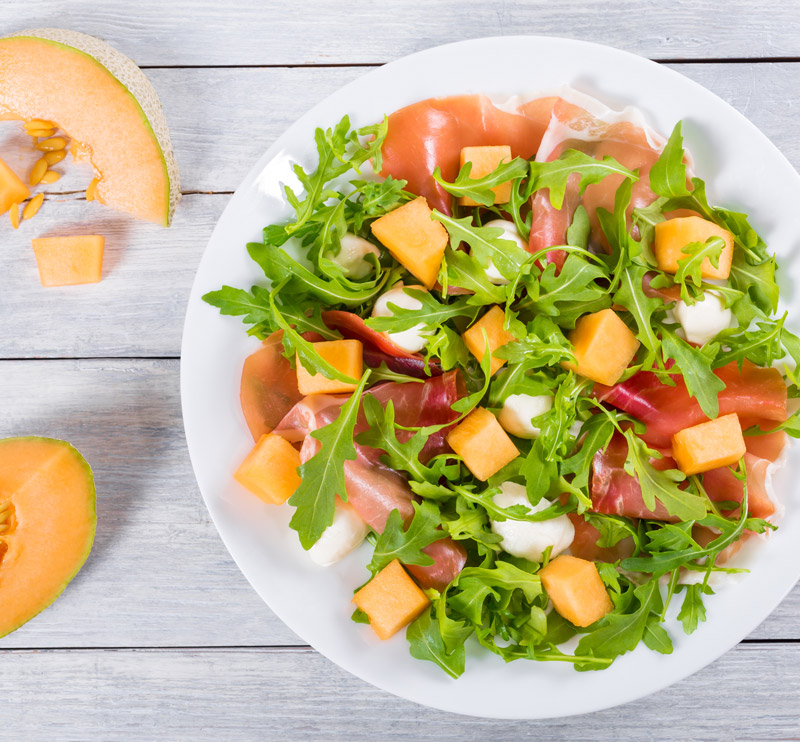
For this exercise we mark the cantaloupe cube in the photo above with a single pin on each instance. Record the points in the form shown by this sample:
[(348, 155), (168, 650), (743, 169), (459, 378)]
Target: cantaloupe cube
[(270, 469), (391, 599), (69, 261), (603, 347), (496, 335), (575, 587), (672, 235), (12, 189), (346, 356), (484, 161), (414, 239), (482, 443), (709, 445)]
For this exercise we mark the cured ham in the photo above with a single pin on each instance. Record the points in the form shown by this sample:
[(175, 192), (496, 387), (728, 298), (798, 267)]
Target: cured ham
[(373, 488), (378, 348), (431, 133), (722, 486), (752, 392), (268, 388), (584, 544), (580, 122)]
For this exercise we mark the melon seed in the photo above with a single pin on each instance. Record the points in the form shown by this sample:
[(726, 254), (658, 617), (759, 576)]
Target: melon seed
[(13, 214), (39, 169), (40, 132), (54, 143), (51, 176), (54, 157), (39, 124), (91, 190), (32, 207)]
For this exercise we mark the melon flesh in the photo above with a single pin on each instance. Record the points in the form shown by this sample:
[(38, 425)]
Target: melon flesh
[(104, 102), (12, 189), (50, 528), (68, 261)]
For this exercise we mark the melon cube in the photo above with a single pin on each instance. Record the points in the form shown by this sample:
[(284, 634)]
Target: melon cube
[(391, 599), (710, 445), (414, 239), (576, 590), (603, 347), (672, 235), (270, 469), (12, 189), (482, 443), (69, 261), (346, 356), (484, 161), (496, 336)]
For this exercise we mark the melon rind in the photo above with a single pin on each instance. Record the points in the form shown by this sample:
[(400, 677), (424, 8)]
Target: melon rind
[(128, 74)]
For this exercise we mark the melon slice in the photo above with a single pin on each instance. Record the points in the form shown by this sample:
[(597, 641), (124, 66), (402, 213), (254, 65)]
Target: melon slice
[(69, 261), (47, 524), (104, 102), (12, 190)]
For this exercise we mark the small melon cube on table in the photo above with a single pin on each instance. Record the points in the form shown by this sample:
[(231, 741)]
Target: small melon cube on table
[(414, 239), (391, 599), (485, 160), (575, 587), (496, 335), (482, 443), (346, 356), (12, 189), (270, 469), (672, 235), (603, 347), (69, 261), (710, 445)]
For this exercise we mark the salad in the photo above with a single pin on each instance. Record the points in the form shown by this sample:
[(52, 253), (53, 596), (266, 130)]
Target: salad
[(515, 349)]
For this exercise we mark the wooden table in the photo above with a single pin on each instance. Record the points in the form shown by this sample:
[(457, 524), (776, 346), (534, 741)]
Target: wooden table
[(160, 636)]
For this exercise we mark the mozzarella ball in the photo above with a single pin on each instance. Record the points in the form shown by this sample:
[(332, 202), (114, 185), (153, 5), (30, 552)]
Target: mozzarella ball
[(350, 258), (511, 234), (415, 338), (518, 411), (340, 538), (530, 540), (702, 320)]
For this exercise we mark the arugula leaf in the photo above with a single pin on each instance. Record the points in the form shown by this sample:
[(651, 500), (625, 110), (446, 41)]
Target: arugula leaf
[(554, 174), (544, 345), (322, 476), (480, 189), (406, 544), (668, 174), (695, 366), (426, 643), (430, 314), (597, 432), (252, 306), (655, 636), (690, 268), (692, 610), (660, 485), (757, 281), (464, 271), (631, 295), (580, 228)]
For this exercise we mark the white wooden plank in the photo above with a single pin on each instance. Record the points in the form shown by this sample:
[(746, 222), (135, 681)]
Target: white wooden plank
[(159, 574), (750, 693), (149, 270), (249, 32)]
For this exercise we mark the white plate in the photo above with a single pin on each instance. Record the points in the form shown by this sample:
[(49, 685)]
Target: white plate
[(743, 170)]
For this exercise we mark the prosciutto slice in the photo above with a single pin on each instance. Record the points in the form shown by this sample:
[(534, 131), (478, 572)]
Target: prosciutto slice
[(432, 132), (584, 544), (374, 489), (752, 392), (580, 122), (268, 388), (378, 348)]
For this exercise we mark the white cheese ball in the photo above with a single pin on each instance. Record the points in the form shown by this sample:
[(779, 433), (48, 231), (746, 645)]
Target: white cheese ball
[(525, 539), (350, 258), (702, 320), (518, 411), (415, 338), (340, 538), (511, 234)]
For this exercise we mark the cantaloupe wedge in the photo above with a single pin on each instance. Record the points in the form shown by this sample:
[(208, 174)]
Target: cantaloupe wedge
[(12, 189), (104, 102), (485, 160), (709, 445), (69, 261), (391, 599), (270, 469), (346, 356), (672, 235), (482, 443), (496, 337), (575, 587), (47, 523)]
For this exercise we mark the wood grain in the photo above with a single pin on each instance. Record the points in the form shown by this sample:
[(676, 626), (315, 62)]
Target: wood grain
[(750, 693), (159, 574), (249, 32), (149, 270)]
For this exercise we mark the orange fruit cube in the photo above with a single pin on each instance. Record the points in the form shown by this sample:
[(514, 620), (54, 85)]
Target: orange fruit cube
[(496, 335), (12, 189), (484, 161), (270, 469), (672, 235), (69, 261), (710, 445), (346, 356), (482, 443), (576, 589)]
